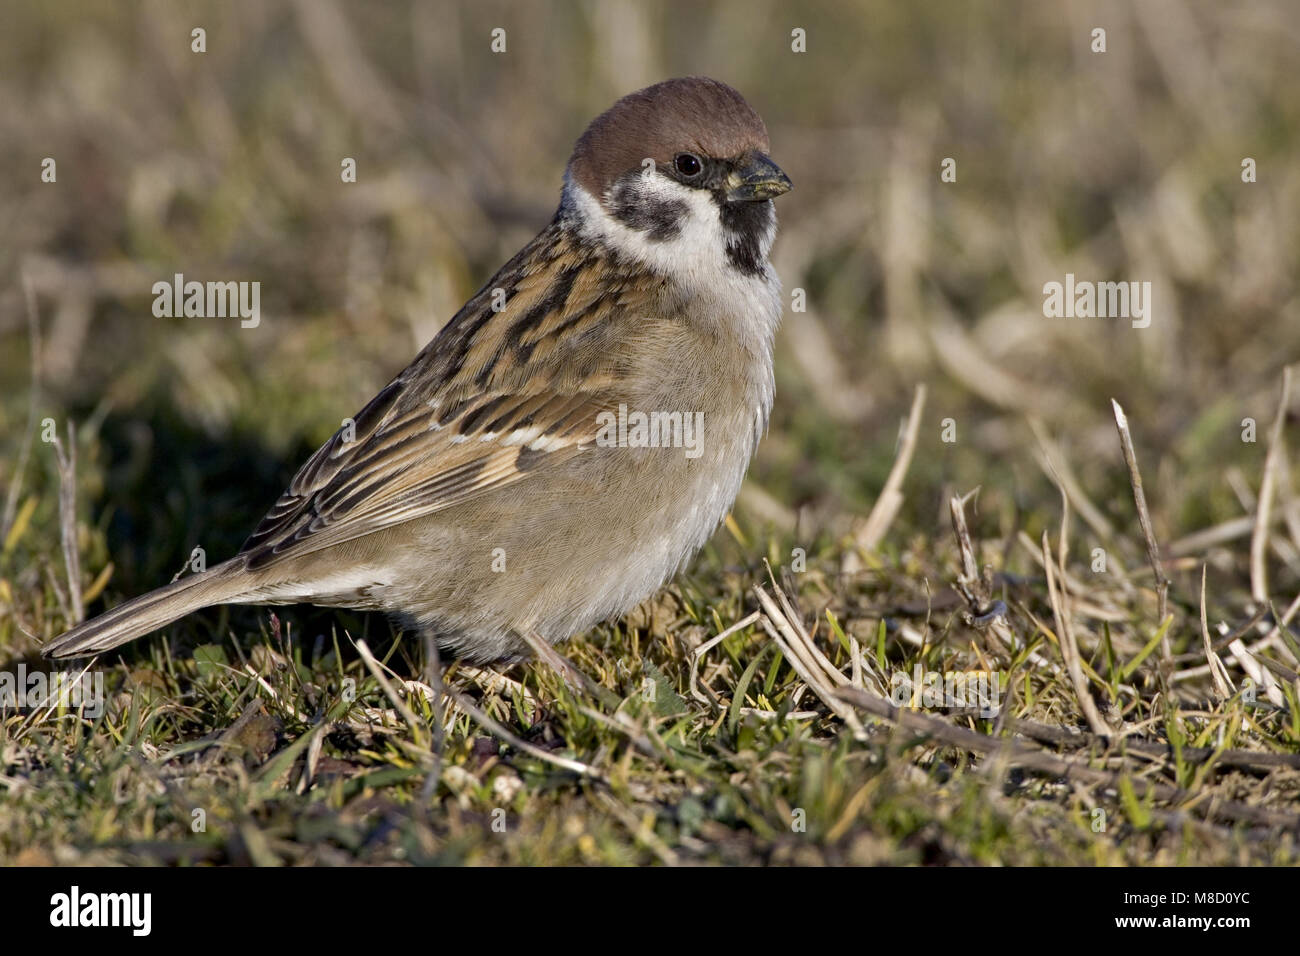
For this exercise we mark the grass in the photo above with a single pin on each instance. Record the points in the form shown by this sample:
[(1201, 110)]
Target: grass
[(239, 736), (285, 745)]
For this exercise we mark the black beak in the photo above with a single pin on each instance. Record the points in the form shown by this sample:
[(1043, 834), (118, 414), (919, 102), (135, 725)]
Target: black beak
[(757, 178)]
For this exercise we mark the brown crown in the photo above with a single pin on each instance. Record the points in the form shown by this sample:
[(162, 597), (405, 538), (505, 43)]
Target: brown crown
[(692, 114)]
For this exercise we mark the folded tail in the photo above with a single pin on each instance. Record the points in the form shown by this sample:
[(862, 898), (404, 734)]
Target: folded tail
[(145, 614)]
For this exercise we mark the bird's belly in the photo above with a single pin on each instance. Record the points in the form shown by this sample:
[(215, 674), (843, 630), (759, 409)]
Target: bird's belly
[(567, 551)]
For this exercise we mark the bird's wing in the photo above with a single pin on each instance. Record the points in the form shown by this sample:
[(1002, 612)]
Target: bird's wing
[(420, 463), (504, 392)]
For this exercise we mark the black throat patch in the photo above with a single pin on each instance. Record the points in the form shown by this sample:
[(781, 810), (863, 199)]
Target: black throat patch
[(746, 224)]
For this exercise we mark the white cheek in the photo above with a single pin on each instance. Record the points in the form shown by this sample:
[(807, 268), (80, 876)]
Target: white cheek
[(697, 251), (696, 258)]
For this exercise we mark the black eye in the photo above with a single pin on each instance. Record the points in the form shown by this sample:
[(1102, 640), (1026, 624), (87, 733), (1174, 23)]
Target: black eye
[(688, 165)]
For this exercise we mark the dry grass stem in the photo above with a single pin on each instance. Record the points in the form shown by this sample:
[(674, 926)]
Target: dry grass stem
[(873, 530), (1144, 519), (1267, 489)]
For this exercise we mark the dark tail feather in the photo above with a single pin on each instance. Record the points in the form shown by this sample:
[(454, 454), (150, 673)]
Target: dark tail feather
[(147, 613)]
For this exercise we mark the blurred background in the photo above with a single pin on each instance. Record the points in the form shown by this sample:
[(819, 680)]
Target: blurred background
[(225, 165)]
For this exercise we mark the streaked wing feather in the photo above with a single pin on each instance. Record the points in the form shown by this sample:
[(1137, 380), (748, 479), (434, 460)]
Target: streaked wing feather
[(497, 395), (400, 473)]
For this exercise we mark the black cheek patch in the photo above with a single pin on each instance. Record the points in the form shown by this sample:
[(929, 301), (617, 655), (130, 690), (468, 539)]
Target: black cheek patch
[(660, 219)]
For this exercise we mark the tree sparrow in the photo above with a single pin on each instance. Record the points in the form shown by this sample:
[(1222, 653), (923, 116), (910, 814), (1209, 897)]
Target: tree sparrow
[(572, 436)]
